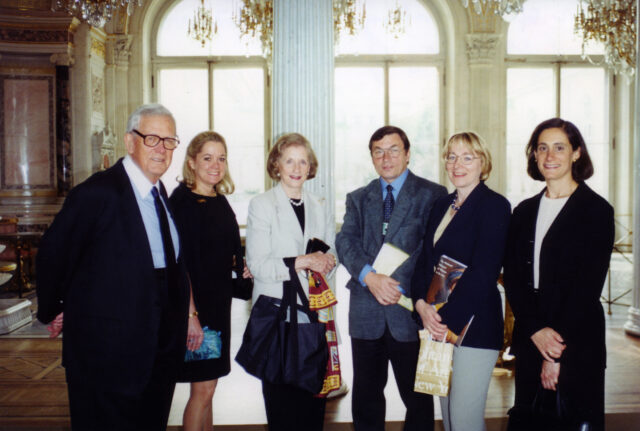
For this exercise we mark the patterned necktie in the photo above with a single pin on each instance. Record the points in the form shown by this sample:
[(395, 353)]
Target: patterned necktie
[(389, 202), (167, 242)]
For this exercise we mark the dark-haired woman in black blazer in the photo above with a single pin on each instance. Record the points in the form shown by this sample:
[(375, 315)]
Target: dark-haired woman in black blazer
[(470, 226), (558, 253)]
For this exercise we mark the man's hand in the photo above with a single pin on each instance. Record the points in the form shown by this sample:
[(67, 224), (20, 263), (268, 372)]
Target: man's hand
[(384, 288), (55, 327), (549, 375), (549, 343), (431, 320)]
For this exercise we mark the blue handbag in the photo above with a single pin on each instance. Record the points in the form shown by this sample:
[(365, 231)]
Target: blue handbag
[(211, 347)]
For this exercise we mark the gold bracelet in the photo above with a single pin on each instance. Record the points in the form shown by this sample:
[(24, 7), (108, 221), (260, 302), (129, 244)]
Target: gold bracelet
[(194, 314)]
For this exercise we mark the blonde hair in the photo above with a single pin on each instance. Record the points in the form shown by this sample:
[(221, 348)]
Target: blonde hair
[(225, 186), (284, 142), (477, 146)]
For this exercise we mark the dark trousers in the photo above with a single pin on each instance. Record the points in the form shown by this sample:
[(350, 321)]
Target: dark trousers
[(96, 409), (292, 409), (370, 364)]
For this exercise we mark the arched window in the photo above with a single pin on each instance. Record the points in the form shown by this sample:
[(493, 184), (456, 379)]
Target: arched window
[(221, 86), (383, 78), (547, 77)]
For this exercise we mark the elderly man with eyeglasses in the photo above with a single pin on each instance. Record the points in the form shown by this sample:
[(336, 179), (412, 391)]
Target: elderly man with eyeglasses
[(393, 209), (109, 274)]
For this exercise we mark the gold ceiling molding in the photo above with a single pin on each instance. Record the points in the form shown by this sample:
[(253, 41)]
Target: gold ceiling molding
[(98, 48), (27, 4)]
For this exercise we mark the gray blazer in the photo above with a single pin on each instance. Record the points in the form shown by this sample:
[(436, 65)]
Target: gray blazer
[(273, 232), (360, 240)]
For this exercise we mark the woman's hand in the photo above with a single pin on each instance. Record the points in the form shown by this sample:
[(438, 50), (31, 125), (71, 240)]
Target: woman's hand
[(318, 262), (549, 375), (431, 320), (195, 335), (55, 327), (549, 343), (246, 273)]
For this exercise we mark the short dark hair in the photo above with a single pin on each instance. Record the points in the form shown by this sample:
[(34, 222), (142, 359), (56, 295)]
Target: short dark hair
[(389, 130), (581, 169)]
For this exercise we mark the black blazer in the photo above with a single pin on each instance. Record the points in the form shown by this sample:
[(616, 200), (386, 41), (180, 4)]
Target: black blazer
[(95, 264), (475, 236), (574, 259)]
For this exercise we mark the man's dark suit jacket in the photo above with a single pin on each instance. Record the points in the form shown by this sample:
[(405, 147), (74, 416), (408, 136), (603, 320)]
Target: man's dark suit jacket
[(476, 236), (95, 264), (360, 240)]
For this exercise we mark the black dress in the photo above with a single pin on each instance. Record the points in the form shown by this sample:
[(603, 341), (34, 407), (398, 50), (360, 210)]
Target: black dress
[(210, 238)]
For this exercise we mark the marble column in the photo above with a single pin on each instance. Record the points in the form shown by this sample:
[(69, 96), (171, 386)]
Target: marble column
[(64, 155), (486, 98), (116, 78), (632, 326), (302, 76)]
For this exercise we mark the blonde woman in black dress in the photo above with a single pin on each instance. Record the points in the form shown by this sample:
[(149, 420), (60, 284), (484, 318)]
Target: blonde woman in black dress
[(211, 243)]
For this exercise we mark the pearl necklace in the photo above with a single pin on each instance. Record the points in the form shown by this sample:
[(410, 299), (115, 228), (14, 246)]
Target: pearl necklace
[(297, 204)]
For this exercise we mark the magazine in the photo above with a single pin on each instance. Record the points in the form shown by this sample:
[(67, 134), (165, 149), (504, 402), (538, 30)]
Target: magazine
[(445, 277)]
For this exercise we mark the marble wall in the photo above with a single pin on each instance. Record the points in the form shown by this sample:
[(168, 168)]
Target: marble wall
[(27, 141)]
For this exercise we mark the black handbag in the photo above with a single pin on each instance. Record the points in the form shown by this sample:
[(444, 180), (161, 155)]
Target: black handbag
[(552, 409), (285, 352)]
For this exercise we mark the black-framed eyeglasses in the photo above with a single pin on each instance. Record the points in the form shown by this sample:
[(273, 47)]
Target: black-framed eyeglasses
[(154, 140)]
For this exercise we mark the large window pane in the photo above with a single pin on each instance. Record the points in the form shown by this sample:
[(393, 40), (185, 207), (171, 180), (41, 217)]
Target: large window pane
[(588, 111), (180, 90), (238, 115), (413, 106), (359, 101), (420, 37), (173, 40), (531, 99), (546, 27)]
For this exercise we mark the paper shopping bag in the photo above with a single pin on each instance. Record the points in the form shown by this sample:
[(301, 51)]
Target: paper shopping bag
[(433, 374)]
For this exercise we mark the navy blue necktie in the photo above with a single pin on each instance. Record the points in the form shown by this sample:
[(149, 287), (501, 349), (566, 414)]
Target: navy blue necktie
[(165, 232), (389, 202)]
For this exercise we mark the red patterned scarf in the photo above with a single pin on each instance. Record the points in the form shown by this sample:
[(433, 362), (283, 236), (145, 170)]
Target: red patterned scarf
[(322, 300)]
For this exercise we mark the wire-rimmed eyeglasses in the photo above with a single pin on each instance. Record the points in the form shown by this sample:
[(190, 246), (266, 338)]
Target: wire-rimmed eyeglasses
[(465, 159)]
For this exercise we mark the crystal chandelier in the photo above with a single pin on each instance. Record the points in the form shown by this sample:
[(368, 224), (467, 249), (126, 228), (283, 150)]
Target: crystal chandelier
[(397, 21), (498, 7), (94, 12), (613, 23), (348, 17), (203, 27), (255, 18)]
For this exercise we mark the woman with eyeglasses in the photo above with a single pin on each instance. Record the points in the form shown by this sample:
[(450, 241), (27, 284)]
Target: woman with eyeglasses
[(558, 253), (470, 226), (211, 241)]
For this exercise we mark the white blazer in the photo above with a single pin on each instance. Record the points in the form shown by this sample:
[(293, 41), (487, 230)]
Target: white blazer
[(273, 232)]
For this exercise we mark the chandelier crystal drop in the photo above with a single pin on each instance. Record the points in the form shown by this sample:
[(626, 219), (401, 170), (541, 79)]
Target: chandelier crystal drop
[(202, 27), (397, 21), (612, 23), (497, 7), (96, 13)]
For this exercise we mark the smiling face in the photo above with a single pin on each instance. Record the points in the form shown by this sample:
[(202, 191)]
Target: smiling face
[(554, 155), (463, 177), (153, 161), (209, 166), (293, 168), (389, 157)]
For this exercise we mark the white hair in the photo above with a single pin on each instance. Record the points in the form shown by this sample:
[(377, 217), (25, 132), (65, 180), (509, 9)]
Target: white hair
[(150, 109)]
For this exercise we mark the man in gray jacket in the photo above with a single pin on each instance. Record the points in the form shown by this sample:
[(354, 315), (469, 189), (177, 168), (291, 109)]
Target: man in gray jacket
[(391, 209)]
